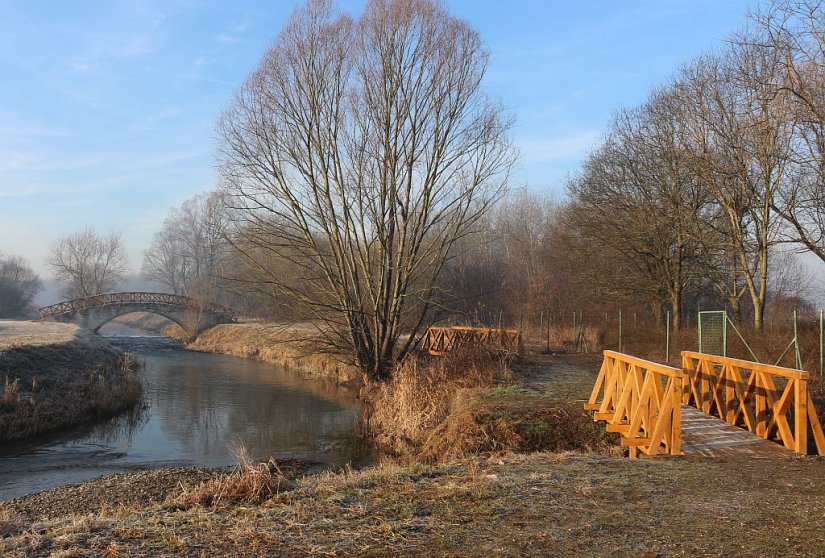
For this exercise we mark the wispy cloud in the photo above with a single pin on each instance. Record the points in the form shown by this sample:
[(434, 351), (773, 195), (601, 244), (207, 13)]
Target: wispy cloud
[(543, 150), (228, 39)]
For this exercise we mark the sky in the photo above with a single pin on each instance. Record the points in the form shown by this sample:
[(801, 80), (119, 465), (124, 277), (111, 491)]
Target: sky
[(108, 108)]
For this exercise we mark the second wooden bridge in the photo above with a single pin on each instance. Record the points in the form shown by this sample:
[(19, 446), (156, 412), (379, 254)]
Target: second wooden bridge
[(711, 406)]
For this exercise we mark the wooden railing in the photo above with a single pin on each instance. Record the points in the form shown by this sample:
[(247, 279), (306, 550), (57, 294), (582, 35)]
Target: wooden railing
[(642, 401), (162, 299), (762, 398), (439, 340)]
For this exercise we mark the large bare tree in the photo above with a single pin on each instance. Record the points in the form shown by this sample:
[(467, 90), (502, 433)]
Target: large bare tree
[(360, 150), (741, 137), (88, 263), (794, 32)]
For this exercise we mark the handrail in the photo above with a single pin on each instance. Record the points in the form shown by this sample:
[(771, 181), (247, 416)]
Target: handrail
[(641, 400), (439, 340), (69, 306), (757, 366), (746, 394)]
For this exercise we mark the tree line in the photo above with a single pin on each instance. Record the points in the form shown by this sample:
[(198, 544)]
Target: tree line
[(364, 176), (702, 185)]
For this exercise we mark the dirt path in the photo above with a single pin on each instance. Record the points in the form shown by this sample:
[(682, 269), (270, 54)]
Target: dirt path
[(567, 377)]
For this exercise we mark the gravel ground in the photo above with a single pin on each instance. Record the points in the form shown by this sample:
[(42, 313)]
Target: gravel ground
[(125, 490)]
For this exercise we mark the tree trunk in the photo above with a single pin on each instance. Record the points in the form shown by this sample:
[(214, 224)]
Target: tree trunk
[(676, 307)]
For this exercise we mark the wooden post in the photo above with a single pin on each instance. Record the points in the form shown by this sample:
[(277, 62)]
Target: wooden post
[(676, 428), (800, 436)]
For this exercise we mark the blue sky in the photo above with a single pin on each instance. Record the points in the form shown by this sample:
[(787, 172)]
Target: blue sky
[(107, 109)]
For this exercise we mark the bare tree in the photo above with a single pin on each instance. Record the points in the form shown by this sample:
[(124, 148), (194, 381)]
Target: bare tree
[(637, 198), (189, 252), (793, 32), (87, 262), (361, 150), (741, 136), (18, 286)]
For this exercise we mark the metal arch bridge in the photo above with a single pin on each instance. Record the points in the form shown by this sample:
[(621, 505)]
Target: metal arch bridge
[(92, 312)]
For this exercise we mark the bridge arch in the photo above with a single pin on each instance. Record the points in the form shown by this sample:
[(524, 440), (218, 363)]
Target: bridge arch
[(168, 315), (92, 312)]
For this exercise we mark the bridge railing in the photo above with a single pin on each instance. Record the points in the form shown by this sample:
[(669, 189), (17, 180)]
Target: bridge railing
[(162, 299), (762, 398), (642, 401), (440, 340)]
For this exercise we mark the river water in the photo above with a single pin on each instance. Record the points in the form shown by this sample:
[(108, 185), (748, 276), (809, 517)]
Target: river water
[(196, 408)]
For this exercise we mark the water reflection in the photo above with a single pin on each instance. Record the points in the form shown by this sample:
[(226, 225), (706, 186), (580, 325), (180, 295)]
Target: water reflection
[(196, 406)]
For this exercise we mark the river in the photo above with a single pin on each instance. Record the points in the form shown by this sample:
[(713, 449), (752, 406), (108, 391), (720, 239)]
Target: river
[(197, 407)]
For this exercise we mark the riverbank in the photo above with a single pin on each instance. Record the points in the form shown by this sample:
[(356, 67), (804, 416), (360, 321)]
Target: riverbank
[(500, 504), (293, 347), (58, 375)]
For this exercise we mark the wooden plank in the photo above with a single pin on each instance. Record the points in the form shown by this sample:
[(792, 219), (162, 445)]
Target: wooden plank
[(636, 442)]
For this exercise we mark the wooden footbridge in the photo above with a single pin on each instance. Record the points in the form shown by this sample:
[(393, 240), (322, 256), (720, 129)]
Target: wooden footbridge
[(711, 406)]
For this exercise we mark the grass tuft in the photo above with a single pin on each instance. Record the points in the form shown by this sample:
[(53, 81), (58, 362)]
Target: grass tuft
[(249, 483)]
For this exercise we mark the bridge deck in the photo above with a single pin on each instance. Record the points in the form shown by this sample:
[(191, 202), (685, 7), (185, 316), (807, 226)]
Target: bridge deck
[(709, 436)]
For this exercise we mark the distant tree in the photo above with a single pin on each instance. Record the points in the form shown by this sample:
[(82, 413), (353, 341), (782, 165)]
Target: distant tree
[(361, 150), (88, 263), (18, 286), (189, 251)]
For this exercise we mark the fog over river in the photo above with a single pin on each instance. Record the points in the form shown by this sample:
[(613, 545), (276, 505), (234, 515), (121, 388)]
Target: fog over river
[(196, 407)]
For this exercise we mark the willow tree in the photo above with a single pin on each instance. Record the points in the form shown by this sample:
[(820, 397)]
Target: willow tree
[(359, 152)]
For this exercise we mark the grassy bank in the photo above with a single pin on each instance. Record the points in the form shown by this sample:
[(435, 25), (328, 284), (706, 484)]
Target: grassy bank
[(471, 403), (58, 375), (514, 505), (291, 347)]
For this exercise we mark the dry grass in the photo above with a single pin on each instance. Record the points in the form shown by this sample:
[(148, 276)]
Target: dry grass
[(61, 378), (419, 396), (513, 505), (435, 410), (249, 483), (536, 504), (292, 347)]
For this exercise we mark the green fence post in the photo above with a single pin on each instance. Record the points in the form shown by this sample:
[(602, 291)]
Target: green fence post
[(796, 343), (541, 324)]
